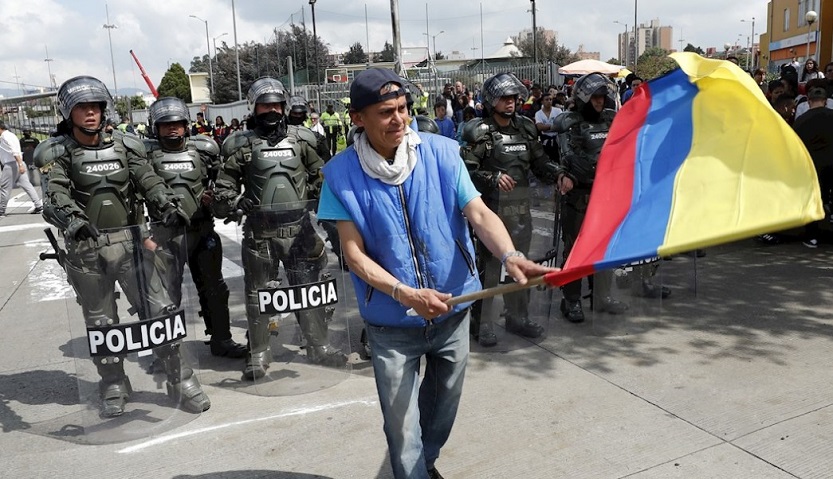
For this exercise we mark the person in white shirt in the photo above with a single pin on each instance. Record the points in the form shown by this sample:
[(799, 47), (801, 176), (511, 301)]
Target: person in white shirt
[(544, 121), (14, 171), (316, 125)]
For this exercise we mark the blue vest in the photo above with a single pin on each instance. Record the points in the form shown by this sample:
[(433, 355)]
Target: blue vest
[(416, 230)]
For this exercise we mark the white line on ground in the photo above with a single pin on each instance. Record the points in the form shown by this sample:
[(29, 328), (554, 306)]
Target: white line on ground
[(298, 412)]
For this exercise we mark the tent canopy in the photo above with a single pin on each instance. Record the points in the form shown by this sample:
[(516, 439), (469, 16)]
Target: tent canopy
[(582, 67)]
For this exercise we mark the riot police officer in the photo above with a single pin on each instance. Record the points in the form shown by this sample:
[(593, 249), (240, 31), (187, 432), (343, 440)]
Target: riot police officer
[(190, 167), (83, 199), (582, 132), (278, 170), (502, 148)]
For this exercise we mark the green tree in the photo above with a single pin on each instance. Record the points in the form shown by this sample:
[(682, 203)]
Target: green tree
[(175, 83), (257, 60), (654, 62), (355, 55), (439, 56), (614, 61), (548, 49), (387, 54), (692, 48), (136, 103)]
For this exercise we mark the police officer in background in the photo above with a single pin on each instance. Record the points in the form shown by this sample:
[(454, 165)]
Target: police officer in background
[(502, 148), (297, 117), (582, 132), (275, 229), (83, 204), (331, 121), (27, 145), (190, 167)]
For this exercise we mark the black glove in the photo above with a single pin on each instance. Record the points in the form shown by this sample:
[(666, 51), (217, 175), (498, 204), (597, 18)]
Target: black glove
[(80, 229), (174, 217), (243, 206)]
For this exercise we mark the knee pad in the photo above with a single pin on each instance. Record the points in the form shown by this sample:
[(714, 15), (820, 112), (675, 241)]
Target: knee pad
[(306, 270), (95, 294)]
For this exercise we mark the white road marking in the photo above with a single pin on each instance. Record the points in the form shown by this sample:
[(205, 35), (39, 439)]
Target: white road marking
[(298, 412)]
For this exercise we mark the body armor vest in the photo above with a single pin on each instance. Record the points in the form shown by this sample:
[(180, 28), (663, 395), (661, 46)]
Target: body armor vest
[(511, 154), (593, 137), (183, 173), (101, 180), (276, 175)]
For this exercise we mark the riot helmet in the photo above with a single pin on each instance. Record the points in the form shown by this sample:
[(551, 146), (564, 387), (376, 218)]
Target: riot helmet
[(169, 110), (298, 110), (590, 85), (84, 89), (267, 90), (427, 125), (501, 85)]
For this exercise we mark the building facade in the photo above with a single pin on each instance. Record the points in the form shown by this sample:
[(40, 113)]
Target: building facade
[(647, 36), (790, 37)]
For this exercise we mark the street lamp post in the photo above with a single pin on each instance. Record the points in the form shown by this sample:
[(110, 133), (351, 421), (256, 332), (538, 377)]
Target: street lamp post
[(432, 58), (624, 42), (215, 44), (207, 47), (811, 17), (752, 47)]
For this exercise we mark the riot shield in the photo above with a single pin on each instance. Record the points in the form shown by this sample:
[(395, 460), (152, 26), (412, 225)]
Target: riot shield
[(135, 376), (290, 297), (527, 317)]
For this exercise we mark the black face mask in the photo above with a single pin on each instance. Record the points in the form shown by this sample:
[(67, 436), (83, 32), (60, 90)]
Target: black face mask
[(172, 143), (270, 121), (589, 113)]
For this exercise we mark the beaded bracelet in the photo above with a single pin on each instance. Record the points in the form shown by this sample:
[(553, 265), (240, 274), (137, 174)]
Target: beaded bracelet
[(509, 255)]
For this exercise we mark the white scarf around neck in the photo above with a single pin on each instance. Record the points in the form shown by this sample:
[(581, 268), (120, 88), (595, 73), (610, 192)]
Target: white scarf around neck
[(404, 160)]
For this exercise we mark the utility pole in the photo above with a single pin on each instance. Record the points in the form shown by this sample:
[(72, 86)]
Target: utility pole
[(49, 67), (635, 37), (109, 27), (236, 52), (397, 39), (534, 40)]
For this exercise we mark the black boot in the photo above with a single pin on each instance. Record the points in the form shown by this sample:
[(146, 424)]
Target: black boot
[(326, 356), (228, 348), (484, 333), (650, 290), (572, 310), (610, 305), (523, 327)]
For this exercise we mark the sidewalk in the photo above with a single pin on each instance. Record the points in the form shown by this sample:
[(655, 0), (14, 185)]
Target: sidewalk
[(733, 382)]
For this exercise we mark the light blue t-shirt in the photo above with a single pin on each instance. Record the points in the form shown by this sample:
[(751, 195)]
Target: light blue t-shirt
[(330, 208)]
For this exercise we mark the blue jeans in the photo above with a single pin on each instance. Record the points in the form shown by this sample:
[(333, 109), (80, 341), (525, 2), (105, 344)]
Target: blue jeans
[(418, 417)]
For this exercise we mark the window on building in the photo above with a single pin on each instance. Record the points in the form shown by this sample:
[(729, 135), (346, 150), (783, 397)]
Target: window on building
[(804, 7), (786, 19)]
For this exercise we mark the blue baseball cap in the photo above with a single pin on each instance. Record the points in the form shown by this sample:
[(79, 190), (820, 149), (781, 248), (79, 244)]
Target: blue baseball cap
[(367, 88)]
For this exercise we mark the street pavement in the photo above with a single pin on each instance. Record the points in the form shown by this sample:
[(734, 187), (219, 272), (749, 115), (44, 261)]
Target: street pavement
[(727, 378)]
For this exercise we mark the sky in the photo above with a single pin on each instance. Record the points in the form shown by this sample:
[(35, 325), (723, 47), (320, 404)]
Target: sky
[(161, 32)]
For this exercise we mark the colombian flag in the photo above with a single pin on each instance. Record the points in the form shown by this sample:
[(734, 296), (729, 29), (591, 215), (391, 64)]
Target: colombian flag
[(696, 158)]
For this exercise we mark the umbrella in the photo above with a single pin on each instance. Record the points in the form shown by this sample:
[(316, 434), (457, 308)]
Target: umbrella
[(582, 67)]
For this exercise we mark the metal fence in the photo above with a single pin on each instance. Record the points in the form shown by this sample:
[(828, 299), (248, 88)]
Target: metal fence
[(38, 111)]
